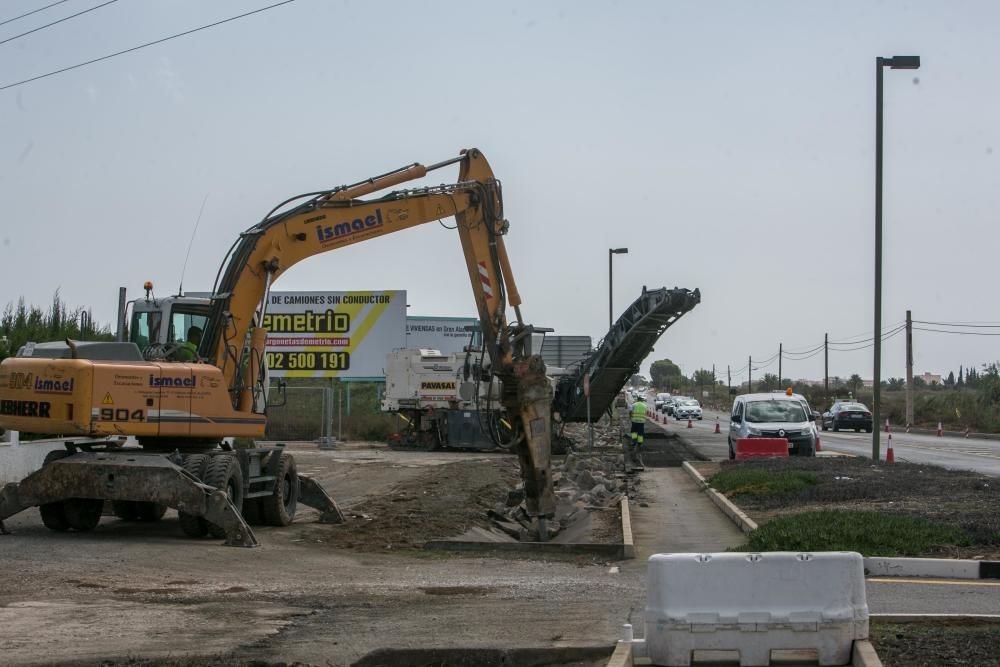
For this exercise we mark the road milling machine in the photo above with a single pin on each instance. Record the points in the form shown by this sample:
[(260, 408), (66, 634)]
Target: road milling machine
[(181, 411)]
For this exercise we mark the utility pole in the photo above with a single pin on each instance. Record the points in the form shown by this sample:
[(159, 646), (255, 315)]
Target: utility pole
[(729, 380), (780, 346), (826, 366), (750, 375), (909, 369)]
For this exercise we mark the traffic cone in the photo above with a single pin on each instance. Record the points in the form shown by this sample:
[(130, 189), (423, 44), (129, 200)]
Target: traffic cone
[(717, 425), (889, 456), (887, 429), (966, 431), (818, 448), (690, 425), (939, 431)]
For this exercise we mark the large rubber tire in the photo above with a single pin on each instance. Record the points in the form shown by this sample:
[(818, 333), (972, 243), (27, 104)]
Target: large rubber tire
[(823, 426), (54, 514), (252, 512), (150, 512), (83, 514), (223, 472), (126, 510), (835, 427), (194, 526), (279, 507), (732, 452)]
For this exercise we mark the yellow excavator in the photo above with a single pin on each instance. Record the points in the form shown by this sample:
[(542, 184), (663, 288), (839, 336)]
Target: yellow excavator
[(180, 411)]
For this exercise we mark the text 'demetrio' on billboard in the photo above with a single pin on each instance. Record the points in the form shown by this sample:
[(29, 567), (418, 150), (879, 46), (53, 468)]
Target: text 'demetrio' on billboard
[(333, 334)]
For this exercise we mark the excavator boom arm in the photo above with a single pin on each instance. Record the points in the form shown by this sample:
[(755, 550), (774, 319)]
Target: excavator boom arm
[(338, 218)]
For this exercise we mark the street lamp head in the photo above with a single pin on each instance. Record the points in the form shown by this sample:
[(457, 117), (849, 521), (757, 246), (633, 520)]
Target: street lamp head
[(902, 62), (618, 251)]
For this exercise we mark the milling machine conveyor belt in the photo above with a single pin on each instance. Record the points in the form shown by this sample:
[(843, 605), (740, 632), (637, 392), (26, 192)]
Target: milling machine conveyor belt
[(621, 352)]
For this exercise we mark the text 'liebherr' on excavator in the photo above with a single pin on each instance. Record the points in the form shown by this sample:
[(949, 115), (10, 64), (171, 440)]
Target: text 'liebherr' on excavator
[(180, 412)]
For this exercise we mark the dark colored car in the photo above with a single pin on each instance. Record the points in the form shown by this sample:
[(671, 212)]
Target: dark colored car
[(848, 415)]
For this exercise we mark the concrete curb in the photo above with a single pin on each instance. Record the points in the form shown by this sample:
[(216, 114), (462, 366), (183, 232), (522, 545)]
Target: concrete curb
[(863, 654), (628, 545), (934, 618), (622, 657), (736, 515), (874, 566)]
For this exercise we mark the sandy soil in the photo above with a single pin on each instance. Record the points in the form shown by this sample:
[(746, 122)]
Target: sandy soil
[(311, 593)]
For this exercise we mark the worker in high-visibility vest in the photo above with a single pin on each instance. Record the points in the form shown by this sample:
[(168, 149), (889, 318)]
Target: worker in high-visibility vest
[(638, 414)]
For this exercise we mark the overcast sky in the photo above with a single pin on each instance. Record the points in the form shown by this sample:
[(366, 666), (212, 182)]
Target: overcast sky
[(728, 145)]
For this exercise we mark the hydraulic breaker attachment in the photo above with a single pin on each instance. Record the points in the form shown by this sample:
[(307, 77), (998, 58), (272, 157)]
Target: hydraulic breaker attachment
[(125, 475), (534, 398)]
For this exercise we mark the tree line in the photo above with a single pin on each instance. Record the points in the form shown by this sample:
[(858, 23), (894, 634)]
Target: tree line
[(969, 400), (21, 323)]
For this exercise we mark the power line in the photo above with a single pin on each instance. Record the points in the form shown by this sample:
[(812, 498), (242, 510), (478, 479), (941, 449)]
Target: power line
[(142, 46), (49, 25), (34, 11), (958, 333), (960, 324)]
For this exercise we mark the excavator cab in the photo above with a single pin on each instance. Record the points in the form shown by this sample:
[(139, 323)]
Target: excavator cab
[(160, 327)]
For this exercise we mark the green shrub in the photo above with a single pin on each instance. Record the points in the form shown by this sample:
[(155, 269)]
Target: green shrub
[(761, 483), (868, 533)]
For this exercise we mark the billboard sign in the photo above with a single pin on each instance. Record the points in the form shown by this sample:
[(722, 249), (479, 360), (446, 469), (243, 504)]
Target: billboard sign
[(447, 334), (333, 334)]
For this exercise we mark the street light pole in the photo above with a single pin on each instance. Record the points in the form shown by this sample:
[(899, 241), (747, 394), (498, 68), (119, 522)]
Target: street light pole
[(611, 315), (896, 62)]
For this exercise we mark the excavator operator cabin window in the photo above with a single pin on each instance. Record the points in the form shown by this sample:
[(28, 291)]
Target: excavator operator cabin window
[(181, 322), (145, 328)]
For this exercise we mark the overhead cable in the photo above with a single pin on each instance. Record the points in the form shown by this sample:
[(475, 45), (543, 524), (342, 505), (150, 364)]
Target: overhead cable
[(964, 325), (49, 25), (142, 46), (958, 333), (34, 11)]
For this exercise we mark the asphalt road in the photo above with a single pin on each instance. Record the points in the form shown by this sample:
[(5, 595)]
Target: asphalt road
[(888, 595), (948, 451)]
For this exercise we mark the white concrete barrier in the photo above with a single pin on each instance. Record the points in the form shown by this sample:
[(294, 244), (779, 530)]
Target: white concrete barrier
[(17, 461), (754, 603)]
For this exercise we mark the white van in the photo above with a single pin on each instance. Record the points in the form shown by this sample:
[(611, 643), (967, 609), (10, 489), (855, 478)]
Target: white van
[(773, 416)]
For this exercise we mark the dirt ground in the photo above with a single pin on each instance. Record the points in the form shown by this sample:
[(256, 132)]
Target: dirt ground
[(964, 499), (925, 645), (311, 593)]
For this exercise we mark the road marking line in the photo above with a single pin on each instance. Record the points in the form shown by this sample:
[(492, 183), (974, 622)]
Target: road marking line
[(935, 582)]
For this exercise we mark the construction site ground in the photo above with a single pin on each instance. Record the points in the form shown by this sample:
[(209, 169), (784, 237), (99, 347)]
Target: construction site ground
[(311, 593)]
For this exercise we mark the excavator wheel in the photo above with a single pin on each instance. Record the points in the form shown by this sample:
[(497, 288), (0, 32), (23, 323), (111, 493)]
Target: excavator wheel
[(126, 510), (194, 526), (252, 512), (279, 508), (54, 514), (83, 514), (150, 512), (223, 472)]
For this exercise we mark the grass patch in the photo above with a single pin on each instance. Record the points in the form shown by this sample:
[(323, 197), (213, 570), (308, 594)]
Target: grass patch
[(869, 533), (762, 483)]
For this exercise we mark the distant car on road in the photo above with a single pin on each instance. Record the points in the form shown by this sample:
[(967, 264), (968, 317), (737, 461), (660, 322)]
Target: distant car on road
[(687, 409), (659, 401), (848, 415)]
